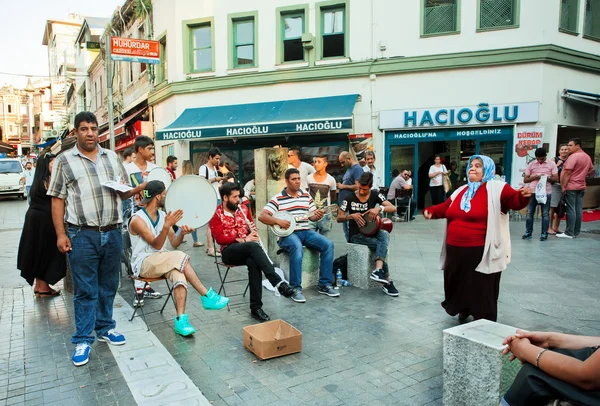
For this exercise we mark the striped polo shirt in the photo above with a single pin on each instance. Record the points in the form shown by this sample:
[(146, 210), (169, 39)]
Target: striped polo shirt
[(299, 207), (78, 180)]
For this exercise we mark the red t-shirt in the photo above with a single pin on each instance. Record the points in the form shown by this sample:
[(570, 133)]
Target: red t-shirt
[(580, 164), (469, 229)]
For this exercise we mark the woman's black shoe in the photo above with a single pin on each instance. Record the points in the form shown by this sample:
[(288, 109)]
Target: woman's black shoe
[(260, 315)]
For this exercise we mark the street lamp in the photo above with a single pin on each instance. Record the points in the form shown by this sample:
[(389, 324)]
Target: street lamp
[(30, 90)]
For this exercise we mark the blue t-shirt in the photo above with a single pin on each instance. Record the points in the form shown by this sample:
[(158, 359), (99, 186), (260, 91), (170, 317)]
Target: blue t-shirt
[(350, 177)]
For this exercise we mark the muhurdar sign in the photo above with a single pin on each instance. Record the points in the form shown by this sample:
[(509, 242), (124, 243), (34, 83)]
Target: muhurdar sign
[(482, 114), (134, 50)]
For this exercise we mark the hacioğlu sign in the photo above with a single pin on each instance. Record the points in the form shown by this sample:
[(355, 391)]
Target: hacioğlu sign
[(254, 129), (448, 133), (482, 114)]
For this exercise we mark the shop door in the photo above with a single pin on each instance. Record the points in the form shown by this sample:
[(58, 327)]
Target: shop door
[(497, 150)]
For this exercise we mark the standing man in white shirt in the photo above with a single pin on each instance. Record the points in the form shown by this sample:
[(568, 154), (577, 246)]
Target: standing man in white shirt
[(370, 167), (28, 174), (210, 171), (304, 168)]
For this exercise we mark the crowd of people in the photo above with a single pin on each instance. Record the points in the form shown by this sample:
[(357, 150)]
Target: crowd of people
[(74, 218)]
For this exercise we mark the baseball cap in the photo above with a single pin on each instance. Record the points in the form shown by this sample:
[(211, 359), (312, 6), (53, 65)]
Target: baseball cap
[(152, 189)]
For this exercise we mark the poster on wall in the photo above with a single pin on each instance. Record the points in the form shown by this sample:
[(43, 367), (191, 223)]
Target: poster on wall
[(527, 139), (359, 144)]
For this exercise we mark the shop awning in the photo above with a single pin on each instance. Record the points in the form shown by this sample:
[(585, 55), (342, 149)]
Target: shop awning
[(119, 127), (582, 97), (322, 114)]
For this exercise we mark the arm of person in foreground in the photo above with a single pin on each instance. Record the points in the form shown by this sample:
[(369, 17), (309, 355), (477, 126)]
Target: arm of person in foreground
[(526, 346), (438, 211), (176, 238), (138, 227), (58, 218), (513, 199)]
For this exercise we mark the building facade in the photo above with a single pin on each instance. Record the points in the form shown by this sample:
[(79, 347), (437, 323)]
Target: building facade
[(447, 77)]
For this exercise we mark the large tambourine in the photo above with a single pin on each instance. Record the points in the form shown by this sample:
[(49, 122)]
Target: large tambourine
[(195, 196), (160, 174), (372, 227), (280, 232)]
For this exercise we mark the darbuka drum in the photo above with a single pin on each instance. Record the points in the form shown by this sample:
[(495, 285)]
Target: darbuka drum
[(280, 232), (162, 175), (195, 196), (372, 227)]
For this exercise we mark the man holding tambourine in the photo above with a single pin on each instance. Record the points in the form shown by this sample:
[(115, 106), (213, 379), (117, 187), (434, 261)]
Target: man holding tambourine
[(359, 209)]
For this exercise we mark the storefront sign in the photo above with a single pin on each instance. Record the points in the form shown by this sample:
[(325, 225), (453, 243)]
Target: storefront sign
[(255, 130), (448, 133), (527, 139), (481, 114), (134, 50)]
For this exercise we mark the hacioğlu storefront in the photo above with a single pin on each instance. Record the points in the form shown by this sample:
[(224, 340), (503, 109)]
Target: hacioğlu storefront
[(317, 125), (413, 138)]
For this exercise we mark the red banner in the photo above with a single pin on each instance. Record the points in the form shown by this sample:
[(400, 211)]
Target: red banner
[(132, 47)]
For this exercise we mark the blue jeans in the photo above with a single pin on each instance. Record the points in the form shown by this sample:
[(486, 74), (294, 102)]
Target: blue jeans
[(127, 207), (574, 200), (346, 232), (195, 236), (28, 189), (545, 215), (95, 262), (322, 226), (379, 243), (293, 244)]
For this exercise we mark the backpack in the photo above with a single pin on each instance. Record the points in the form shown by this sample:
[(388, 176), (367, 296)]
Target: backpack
[(341, 263)]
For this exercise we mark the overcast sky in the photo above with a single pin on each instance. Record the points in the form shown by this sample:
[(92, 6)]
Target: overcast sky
[(22, 29)]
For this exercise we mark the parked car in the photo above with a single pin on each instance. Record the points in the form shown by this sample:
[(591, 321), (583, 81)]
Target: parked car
[(12, 182)]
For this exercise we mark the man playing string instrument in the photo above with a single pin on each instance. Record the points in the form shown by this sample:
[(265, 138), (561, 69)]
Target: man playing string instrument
[(234, 230), (299, 204), (357, 209)]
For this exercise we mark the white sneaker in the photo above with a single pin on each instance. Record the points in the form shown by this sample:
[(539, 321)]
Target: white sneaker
[(564, 235)]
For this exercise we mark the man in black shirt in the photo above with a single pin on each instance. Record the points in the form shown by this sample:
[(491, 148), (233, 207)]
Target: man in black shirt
[(355, 209)]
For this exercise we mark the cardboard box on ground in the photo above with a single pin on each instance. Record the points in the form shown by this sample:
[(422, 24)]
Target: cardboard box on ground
[(272, 339)]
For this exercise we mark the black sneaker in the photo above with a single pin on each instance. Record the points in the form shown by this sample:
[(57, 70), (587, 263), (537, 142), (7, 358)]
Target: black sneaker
[(390, 289), (544, 237), (379, 276), (150, 293), (260, 315), (286, 290), (526, 236)]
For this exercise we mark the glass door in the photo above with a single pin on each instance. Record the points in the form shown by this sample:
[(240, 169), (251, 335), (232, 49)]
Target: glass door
[(495, 150)]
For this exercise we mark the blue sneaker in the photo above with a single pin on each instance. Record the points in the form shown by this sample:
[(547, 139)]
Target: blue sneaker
[(526, 236), (183, 326), (213, 301), (81, 355), (112, 337)]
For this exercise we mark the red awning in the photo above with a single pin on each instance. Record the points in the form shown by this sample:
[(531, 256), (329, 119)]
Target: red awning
[(120, 126)]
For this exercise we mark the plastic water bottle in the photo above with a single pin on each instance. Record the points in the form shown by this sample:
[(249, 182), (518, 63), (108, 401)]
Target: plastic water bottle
[(338, 278)]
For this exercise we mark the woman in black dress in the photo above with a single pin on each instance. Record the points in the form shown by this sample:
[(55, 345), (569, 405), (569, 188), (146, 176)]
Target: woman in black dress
[(38, 259)]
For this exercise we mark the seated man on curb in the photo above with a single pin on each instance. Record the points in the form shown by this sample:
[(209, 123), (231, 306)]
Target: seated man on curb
[(234, 231), (370, 202), (298, 203), (149, 229)]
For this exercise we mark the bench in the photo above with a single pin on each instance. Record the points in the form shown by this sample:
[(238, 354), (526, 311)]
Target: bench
[(475, 371), (310, 266), (361, 262)]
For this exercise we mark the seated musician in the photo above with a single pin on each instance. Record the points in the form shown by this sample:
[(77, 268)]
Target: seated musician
[(234, 231), (401, 189), (299, 204), (149, 229), (358, 208)]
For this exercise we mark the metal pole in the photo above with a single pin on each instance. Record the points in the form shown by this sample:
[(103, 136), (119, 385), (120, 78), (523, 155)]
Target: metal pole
[(111, 124), (31, 122)]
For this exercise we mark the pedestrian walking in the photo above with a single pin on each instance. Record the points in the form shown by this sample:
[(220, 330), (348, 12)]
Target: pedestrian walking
[(436, 182), (88, 219), (38, 259), (28, 173), (477, 242)]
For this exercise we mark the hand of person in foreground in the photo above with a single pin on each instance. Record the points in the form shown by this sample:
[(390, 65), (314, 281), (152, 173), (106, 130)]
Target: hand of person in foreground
[(427, 214)]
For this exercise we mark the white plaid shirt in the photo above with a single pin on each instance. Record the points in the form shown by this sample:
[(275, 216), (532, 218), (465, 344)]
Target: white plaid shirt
[(78, 180)]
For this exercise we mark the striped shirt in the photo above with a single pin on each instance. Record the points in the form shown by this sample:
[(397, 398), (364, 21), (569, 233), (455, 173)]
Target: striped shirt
[(78, 180), (299, 207)]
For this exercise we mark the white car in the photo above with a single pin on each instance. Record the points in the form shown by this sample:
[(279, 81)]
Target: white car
[(12, 182)]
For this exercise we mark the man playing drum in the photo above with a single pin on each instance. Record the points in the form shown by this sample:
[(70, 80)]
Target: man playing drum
[(298, 203), (149, 229), (361, 207), (234, 231)]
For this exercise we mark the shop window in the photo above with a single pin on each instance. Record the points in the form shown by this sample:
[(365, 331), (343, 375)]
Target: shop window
[(440, 17), (498, 14), (243, 43), (569, 15), (201, 48), (591, 26), (333, 28), (161, 69), (10, 108), (293, 28)]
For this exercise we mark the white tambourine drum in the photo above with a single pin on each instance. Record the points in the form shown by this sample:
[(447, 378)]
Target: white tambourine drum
[(160, 174), (280, 232), (195, 196)]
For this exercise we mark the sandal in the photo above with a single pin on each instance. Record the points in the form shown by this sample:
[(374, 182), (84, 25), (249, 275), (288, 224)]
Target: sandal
[(50, 292), (198, 244), (212, 253), (552, 232)]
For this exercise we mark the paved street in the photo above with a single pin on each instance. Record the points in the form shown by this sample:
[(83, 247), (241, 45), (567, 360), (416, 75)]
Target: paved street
[(362, 348)]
